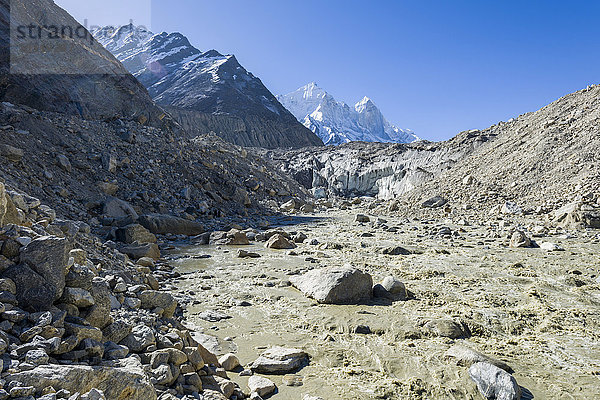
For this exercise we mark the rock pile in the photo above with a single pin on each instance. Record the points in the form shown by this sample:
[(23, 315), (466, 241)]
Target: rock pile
[(85, 171), (80, 320)]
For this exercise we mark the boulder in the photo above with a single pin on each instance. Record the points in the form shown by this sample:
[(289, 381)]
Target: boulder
[(291, 205), (135, 233), (48, 256), (511, 208), (140, 338), (152, 299), (63, 162), (166, 224), (548, 246), (247, 254), (434, 202), (261, 386), (391, 289), (494, 383), (520, 239), (279, 360), (279, 242), (361, 218), (236, 237), (34, 293), (128, 382), (119, 209), (116, 332), (78, 297), (229, 361), (8, 211), (307, 208), (99, 314), (396, 251), (336, 285)]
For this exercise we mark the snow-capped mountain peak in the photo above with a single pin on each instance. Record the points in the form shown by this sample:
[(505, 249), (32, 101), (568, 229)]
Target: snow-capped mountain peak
[(335, 122), (191, 82)]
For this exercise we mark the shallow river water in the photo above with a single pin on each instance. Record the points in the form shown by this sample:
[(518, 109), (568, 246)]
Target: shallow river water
[(537, 311)]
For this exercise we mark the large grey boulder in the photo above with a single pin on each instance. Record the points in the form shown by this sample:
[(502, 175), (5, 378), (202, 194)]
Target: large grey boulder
[(40, 280), (494, 383), (118, 209), (99, 314), (152, 299), (163, 224), (336, 285), (33, 291), (279, 360), (127, 382), (139, 339), (135, 233)]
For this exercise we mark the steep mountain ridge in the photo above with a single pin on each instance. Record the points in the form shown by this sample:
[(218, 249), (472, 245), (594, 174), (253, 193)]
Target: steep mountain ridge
[(336, 123), (190, 81), (72, 74), (541, 159)]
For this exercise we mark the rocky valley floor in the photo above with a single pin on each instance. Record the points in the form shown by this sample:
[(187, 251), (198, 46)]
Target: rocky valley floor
[(533, 309)]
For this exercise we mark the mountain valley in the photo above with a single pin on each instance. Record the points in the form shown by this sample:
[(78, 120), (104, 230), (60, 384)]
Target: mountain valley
[(169, 230)]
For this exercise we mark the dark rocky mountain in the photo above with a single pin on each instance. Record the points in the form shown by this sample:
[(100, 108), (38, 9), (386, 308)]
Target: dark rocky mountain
[(50, 62), (205, 91)]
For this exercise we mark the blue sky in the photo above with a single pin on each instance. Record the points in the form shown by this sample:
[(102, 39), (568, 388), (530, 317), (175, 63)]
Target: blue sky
[(437, 67)]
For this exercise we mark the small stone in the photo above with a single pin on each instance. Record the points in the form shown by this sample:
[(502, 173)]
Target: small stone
[(36, 357), (63, 162), (229, 361), (361, 218), (293, 380)]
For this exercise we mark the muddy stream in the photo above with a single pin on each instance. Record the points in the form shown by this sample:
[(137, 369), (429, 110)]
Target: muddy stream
[(537, 311)]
